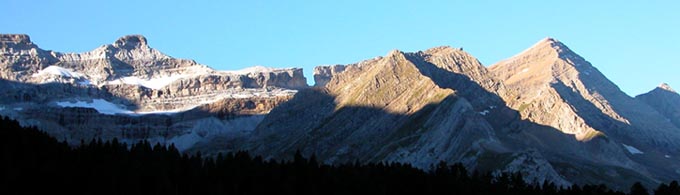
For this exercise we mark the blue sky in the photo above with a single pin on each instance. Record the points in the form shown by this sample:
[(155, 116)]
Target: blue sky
[(636, 44)]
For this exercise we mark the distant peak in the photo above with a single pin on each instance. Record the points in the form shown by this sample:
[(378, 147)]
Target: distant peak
[(15, 38), (394, 52), (443, 49), (131, 41), (549, 44), (666, 87), (549, 40)]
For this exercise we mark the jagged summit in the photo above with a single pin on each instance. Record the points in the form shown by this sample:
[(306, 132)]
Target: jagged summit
[(394, 52), (129, 60), (16, 42), (443, 50), (666, 87), (547, 46), (15, 38), (131, 41), (552, 84), (543, 62), (550, 41)]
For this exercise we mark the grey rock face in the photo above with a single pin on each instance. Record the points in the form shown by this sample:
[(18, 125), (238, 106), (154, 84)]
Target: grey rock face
[(131, 91), (323, 74), (128, 60), (18, 41), (131, 42)]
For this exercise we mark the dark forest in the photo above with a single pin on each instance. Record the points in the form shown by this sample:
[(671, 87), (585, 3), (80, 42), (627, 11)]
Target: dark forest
[(33, 162)]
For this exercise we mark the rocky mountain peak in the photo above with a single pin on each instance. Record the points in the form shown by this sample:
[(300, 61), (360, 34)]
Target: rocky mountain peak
[(394, 52), (445, 50), (439, 48), (543, 62), (549, 40), (15, 38), (665, 86), (552, 45), (16, 42), (131, 41)]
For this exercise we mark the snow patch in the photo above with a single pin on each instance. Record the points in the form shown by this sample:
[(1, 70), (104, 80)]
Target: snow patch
[(106, 107), (154, 83), (254, 69), (60, 71), (632, 149), (667, 156), (485, 112), (525, 70), (102, 106), (19, 109)]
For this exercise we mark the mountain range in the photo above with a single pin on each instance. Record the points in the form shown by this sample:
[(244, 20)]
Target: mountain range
[(546, 112)]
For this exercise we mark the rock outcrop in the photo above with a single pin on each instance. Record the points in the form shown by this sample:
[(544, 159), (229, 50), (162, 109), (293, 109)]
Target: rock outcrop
[(323, 74)]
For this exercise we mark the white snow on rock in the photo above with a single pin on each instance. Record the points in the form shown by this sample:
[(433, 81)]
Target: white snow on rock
[(60, 71), (484, 112), (254, 69), (632, 149), (154, 83), (106, 107), (667, 156), (102, 106)]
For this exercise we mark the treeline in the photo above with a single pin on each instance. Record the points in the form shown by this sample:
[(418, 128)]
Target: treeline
[(33, 162)]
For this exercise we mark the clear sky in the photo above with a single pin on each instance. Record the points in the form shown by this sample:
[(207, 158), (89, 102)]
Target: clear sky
[(636, 44)]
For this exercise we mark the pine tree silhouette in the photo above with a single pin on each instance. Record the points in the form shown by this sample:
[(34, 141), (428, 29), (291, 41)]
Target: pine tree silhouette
[(32, 162)]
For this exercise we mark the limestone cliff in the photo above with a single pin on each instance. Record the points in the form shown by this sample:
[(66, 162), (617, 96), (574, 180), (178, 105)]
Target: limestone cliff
[(131, 91)]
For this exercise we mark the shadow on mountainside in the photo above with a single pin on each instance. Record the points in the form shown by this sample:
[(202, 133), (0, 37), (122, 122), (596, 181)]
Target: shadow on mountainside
[(643, 119), (586, 109), (665, 101), (17, 92), (312, 123), (35, 105)]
